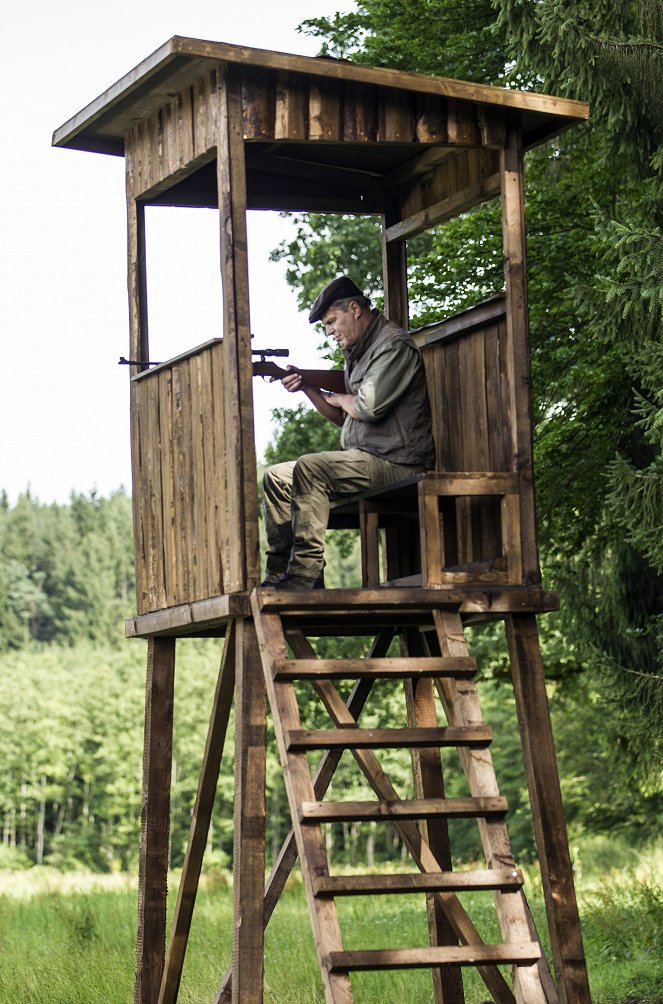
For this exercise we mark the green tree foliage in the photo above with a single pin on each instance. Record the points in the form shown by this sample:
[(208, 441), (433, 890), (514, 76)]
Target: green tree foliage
[(66, 572), (594, 203)]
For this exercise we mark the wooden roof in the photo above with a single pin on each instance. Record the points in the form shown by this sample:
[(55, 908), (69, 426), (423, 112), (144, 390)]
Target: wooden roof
[(102, 125)]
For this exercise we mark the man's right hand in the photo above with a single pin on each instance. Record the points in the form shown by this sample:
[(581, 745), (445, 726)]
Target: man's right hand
[(293, 381)]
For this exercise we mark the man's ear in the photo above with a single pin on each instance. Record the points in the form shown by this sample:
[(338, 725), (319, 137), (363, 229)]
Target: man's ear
[(355, 308)]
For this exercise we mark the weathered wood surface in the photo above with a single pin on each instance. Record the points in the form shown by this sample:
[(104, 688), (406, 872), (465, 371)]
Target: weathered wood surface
[(249, 819), (200, 822), (412, 808), (179, 476), (521, 953), (181, 61), (334, 669), (404, 738), (272, 644), (516, 382), (461, 707), (447, 881), (239, 445), (155, 820), (548, 819)]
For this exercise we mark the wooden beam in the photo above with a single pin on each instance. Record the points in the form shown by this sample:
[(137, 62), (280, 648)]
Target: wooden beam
[(529, 686), (458, 203), (249, 820), (155, 820), (423, 162), (238, 368), (202, 814), (518, 355)]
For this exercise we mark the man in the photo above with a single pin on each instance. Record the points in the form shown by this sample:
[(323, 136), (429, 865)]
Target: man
[(387, 435)]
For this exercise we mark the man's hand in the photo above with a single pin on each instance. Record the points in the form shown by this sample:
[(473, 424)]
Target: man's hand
[(345, 402), (293, 381)]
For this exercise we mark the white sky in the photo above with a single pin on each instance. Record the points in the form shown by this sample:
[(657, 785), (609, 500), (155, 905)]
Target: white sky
[(64, 408)]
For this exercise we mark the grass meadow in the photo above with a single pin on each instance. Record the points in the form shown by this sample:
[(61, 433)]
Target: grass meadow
[(69, 939)]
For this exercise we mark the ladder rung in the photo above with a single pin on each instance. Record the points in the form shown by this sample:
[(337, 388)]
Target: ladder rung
[(413, 808), (504, 879), (518, 953), (344, 669), (353, 738)]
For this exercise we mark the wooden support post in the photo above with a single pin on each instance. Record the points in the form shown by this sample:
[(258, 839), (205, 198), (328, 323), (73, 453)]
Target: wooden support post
[(202, 814), (238, 367), (547, 810), (394, 269), (250, 812), (155, 819), (517, 322)]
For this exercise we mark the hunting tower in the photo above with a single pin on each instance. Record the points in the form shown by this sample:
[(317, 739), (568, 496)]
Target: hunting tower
[(213, 125)]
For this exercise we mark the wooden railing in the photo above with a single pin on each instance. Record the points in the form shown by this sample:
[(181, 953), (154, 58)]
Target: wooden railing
[(182, 544)]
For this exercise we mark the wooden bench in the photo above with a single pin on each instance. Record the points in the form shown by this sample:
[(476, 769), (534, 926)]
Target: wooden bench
[(438, 529)]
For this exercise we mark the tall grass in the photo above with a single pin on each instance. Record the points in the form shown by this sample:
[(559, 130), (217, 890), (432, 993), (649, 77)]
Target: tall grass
[(68, 942)]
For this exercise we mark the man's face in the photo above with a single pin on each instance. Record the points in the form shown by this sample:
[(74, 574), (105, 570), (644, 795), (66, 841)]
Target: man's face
[(345, 326)]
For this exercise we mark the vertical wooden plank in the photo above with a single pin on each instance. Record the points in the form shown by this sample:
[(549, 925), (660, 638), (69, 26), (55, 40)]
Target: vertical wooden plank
[(370, 551), (201, 529), (517, 321), (139, 491), (394, 266), (212, 461), (180, 502), (397, 116), (291, 113), (222, 461), (430, 537), (152, 501), (325, 113), (431, 116), (258, 103), (138, 349), (360, 113), (462, 123), (249, 829), (529, 686), (202, 814), (155, 820), (165, 379), (495, 419), (492, 125), (186, 127), (244, 569)]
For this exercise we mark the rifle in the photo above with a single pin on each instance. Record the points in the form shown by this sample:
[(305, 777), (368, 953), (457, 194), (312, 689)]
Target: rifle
[(330, 380)]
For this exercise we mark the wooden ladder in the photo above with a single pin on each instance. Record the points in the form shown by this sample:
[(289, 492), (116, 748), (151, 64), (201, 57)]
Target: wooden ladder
[(434, 659)]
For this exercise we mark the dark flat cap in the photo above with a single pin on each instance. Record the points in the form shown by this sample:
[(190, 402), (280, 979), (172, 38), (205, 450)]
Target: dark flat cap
[(338, 289)]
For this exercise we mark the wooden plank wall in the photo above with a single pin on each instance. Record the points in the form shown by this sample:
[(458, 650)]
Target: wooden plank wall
[(179, 137), (473, 423), (179, 475)]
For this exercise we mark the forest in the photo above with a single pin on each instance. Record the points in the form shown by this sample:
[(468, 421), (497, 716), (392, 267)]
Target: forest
[(71, 686)]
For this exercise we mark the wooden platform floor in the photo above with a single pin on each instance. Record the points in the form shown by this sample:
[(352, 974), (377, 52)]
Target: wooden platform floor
[(359, 610)]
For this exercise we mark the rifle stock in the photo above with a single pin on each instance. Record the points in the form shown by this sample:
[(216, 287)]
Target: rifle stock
[(332, 380)]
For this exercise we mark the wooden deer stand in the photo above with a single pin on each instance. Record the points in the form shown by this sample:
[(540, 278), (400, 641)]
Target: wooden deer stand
[(208, 124)]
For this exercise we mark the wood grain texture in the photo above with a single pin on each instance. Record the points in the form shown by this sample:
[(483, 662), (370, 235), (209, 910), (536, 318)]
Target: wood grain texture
[(200, 822), (155, 820), (179, 475), (528, 678)]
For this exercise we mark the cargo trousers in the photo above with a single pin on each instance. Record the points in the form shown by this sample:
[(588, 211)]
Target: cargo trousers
[(296, 501)]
